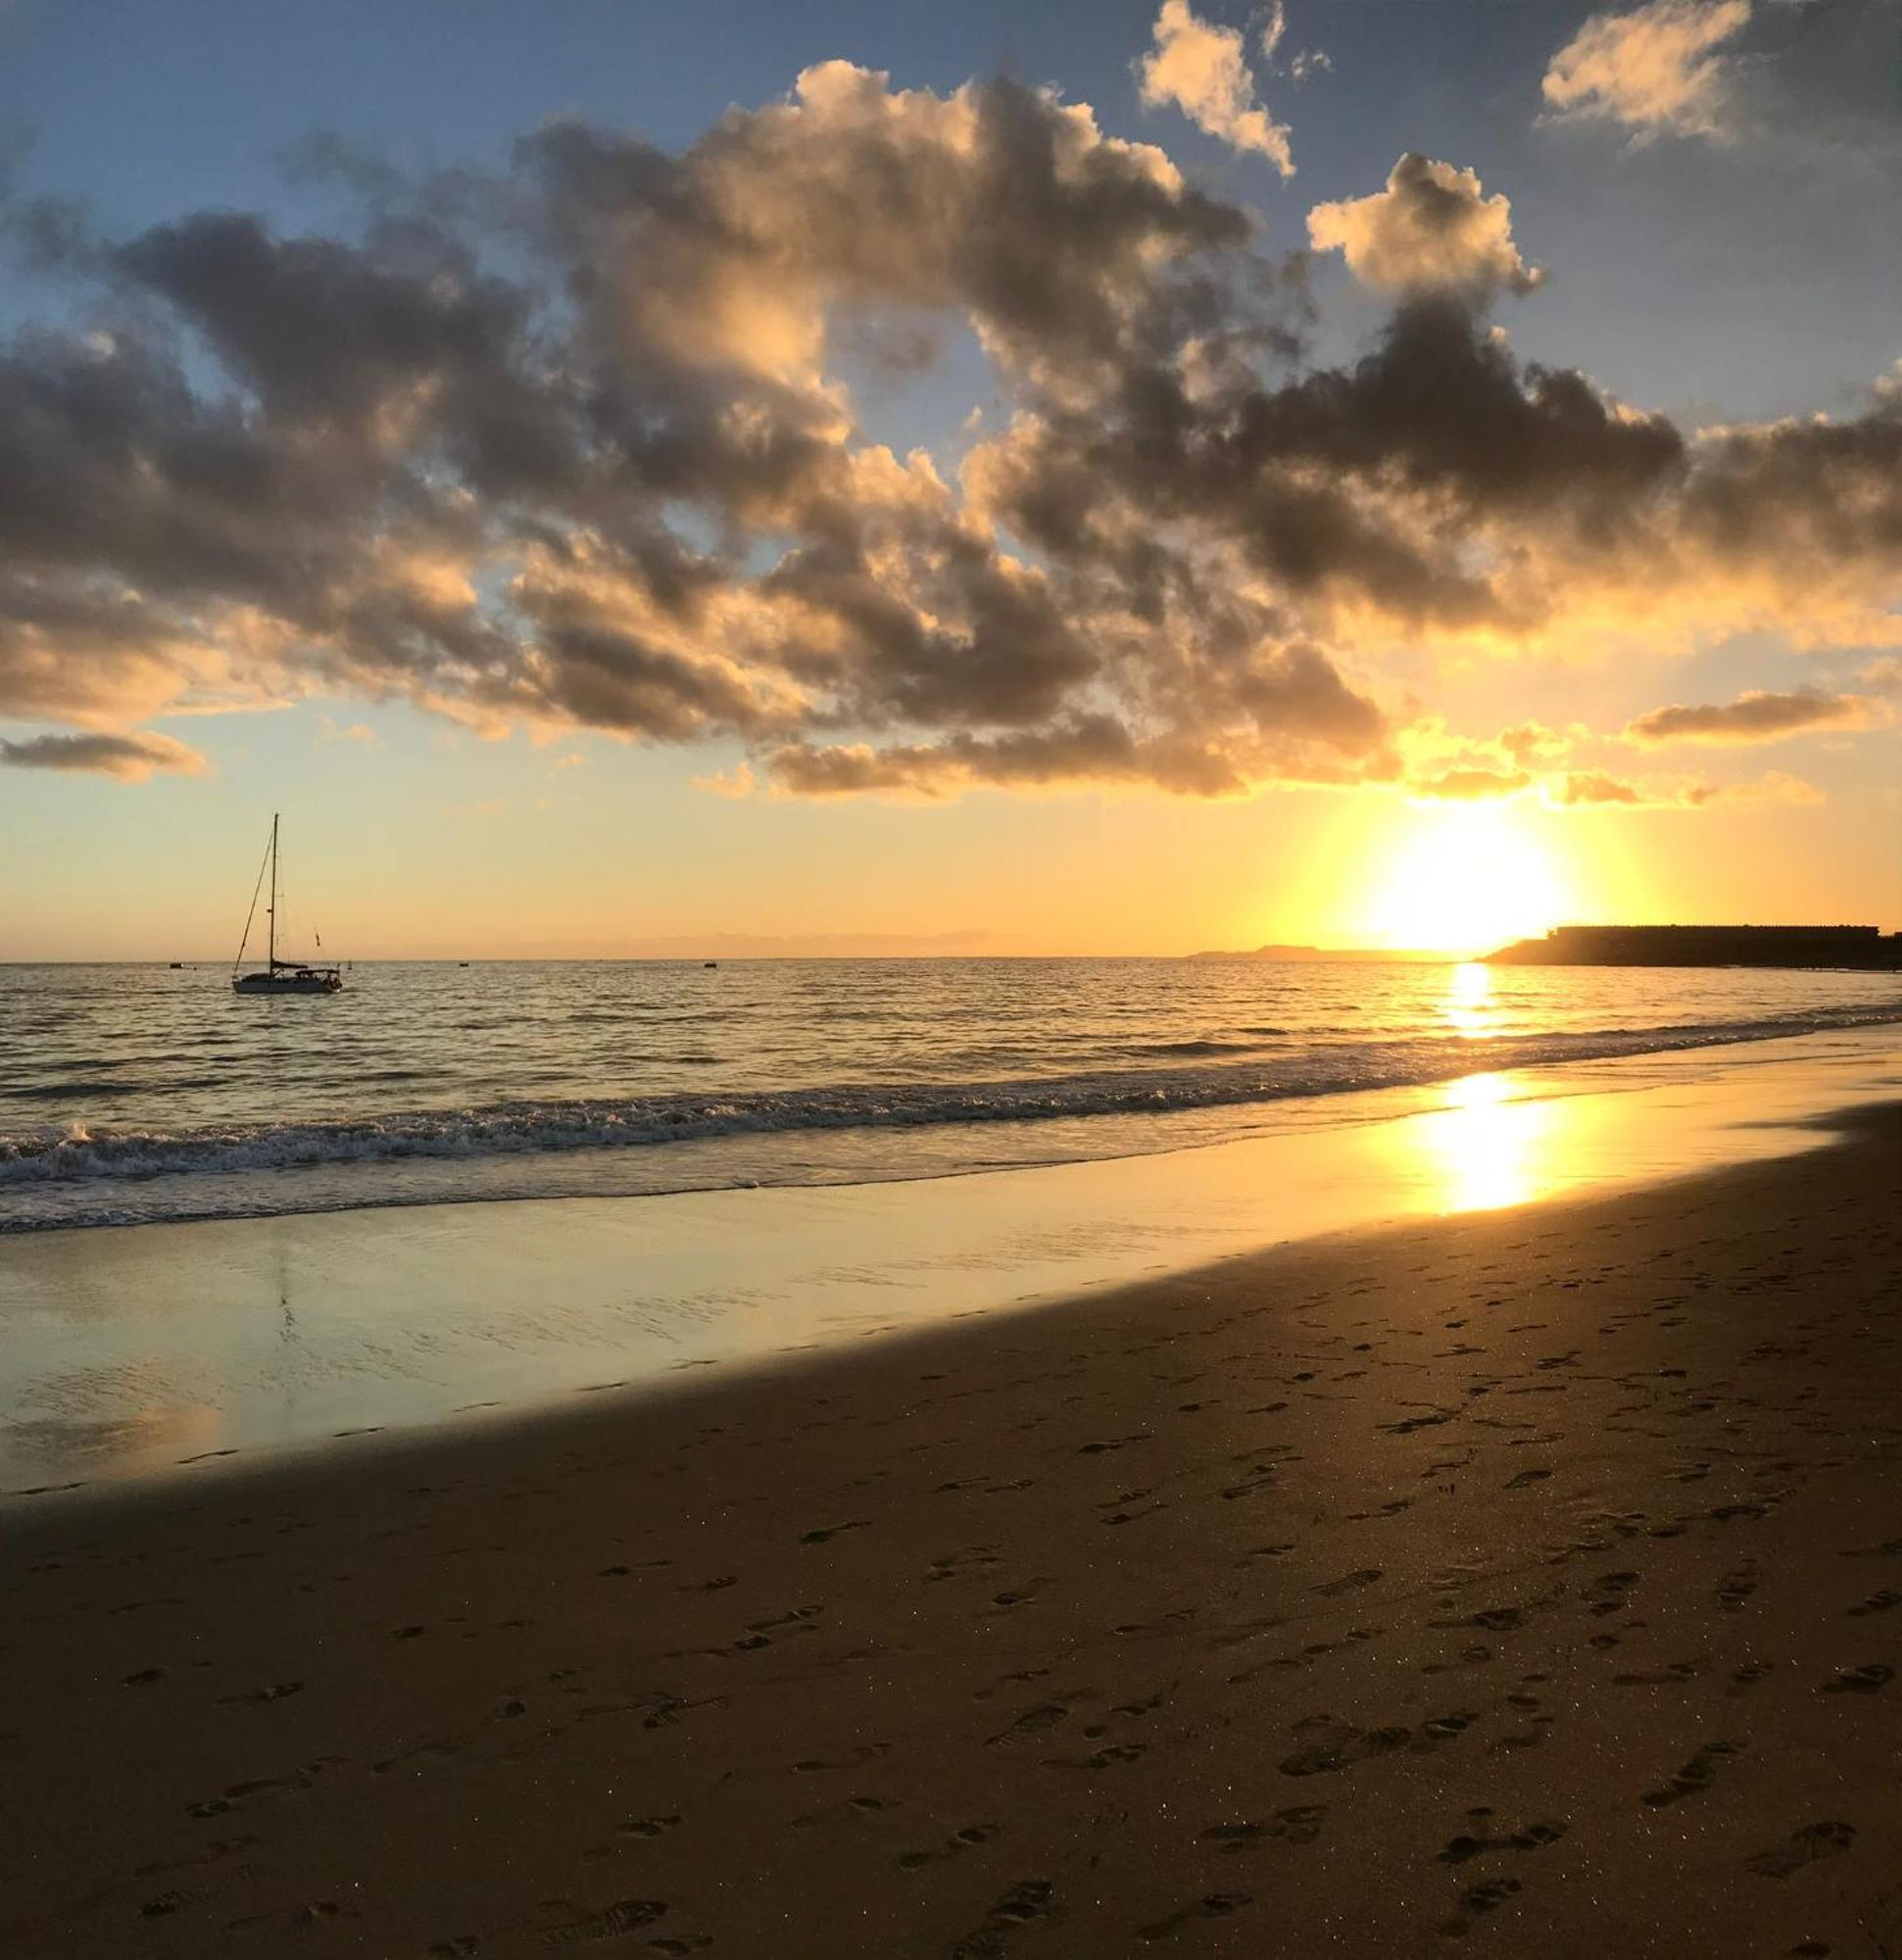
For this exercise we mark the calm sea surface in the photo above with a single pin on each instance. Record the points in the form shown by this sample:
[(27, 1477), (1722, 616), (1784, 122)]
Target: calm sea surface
[(130, 1093)]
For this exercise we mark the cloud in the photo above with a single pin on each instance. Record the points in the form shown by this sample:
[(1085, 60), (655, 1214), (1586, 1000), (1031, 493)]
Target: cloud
[(1533, 741), (1597, 789), (1471, 785), (129, 758), (1773, 786), (1755, 716), (571, 447), (1201, 70), (1654, 70), (1430, 231)]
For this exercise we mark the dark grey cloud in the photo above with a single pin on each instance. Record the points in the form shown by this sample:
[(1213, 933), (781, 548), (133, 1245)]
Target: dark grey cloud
[(132, 758)]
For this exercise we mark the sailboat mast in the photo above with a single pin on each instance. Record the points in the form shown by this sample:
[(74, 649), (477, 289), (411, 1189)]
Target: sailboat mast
[(273, 915)]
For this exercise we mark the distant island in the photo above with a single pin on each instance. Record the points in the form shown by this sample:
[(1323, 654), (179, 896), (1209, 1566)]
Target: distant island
[(1864, 946), (1329, 953)]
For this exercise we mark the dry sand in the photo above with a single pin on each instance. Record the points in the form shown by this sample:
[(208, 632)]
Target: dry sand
[(1526, 1583)]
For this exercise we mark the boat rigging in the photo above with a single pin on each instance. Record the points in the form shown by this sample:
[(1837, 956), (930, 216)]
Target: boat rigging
[(279, 976)]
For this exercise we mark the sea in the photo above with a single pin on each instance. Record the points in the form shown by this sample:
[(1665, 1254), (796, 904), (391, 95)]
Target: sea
[(142, 1094)]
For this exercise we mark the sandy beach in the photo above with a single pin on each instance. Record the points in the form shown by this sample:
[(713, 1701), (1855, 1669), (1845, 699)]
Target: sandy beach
[(1526, 1578)]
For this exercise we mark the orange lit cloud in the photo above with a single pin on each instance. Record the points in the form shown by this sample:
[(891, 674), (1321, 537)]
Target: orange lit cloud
[(1431, 229), (1200, 68), (1590, 789), (1655, 70)]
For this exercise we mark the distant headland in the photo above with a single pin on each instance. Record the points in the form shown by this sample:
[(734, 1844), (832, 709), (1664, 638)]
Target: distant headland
[(1865, 947), (1328, 952)]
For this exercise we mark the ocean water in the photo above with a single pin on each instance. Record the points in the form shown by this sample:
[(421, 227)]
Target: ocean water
[(135, 1094)]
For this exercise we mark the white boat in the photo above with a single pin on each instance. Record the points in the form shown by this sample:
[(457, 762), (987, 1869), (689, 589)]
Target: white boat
[(279, 976)]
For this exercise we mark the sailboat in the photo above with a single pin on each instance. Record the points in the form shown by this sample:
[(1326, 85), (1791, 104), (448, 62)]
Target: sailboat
[(280, 976)]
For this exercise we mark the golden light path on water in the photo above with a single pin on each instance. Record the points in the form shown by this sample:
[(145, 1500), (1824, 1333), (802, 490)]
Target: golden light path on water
[(1495, 1143)]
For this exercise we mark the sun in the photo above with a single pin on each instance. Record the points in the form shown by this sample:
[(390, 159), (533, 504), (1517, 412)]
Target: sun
[(1466, 878)]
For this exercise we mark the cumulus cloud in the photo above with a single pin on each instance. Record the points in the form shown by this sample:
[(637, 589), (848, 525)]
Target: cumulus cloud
[(1755, 716), (571, 447), (129, 757), (1431, 230), (1655, 70), (1200, 68)]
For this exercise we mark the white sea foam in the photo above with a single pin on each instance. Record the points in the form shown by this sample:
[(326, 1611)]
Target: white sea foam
[(98, 1172)]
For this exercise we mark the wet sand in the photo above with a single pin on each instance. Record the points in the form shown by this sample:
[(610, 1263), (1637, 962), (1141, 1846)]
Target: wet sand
[(1522, 1581)]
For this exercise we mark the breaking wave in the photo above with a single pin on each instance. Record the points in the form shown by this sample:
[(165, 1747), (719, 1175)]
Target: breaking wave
[(80, 1154)]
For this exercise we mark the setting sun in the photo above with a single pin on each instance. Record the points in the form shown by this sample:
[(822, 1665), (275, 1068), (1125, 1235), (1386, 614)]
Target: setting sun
[(1466, 879)]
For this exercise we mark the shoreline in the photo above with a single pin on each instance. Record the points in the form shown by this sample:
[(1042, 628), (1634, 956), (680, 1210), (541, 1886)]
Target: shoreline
[(1520, 1577), (171, 1351), (174, 1349)]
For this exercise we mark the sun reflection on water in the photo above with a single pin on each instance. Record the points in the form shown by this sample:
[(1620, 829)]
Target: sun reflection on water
[(1468, 1006), (1490, 1146)]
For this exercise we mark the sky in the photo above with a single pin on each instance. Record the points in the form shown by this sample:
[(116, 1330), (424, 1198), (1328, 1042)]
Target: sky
[(809, 477)]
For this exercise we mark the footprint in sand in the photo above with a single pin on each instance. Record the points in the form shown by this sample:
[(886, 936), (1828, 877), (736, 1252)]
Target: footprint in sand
[(1337, 1744), (1828, 1840), (866, 1752), (1695, 1777), (1457, 1850), (847, 1807), (1606, 1594), (1663, 1677), (1477, 1901), (1301, 1824), (1046, 1715), (1028, 1899), (1736, 1587), (1876, 1602), (611, 1922), (279, 1691), (1348, 1583), (958, 1843), (1101, 1759), (1870, 1679), (825, 1533), (1212, 1905), (645, 1828)]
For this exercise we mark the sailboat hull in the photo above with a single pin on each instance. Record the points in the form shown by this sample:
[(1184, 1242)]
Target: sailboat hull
[(319, 980)]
